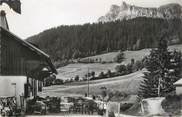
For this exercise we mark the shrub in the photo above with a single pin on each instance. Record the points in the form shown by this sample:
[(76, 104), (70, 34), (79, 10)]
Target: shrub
[(109, 74), (121, 69), (71, 80), (129, 68), (101, 75), (77, 78), (93, 74), (132, 61), (103, 62), (58, 82), (119, 58), (172, 104), (49, 81), (138, 65)]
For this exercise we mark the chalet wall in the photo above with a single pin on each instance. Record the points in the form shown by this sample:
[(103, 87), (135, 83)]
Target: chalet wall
[(9, 90), (0, 49)]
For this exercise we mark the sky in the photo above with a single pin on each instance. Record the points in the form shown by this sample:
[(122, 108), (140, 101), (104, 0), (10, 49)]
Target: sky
[(39, 15)]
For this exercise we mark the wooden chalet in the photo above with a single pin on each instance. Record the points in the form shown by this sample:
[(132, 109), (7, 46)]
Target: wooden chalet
[(20, 58), (178, 86)]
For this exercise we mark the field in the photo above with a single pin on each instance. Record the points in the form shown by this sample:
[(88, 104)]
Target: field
[(137, 55), (71, 70), (128, 83), (109, 57)]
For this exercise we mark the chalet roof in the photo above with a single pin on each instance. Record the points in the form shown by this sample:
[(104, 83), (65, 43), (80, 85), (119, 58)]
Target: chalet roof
[(31, 47), (178, 83), (3, 20), (4, 27)]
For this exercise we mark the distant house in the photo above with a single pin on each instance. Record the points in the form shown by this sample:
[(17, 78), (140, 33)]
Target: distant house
[(22, 65), (178, 85)]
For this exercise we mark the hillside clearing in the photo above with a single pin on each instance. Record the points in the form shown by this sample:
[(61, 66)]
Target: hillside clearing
[(137, 55), (71, 70)]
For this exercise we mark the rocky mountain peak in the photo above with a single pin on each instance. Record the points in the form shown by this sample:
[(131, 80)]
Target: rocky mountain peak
[(124, 6), (127, 11)]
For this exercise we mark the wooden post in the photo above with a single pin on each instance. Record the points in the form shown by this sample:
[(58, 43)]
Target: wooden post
[(159, 85), (88, 82)]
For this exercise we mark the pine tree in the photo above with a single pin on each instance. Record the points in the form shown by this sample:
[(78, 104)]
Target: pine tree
[(163, 69)]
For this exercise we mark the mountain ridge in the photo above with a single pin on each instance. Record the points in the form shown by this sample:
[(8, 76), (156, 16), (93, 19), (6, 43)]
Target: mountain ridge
[(126, 11)]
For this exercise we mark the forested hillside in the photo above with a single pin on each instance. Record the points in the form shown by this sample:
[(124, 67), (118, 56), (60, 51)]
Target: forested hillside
[(75, 41)]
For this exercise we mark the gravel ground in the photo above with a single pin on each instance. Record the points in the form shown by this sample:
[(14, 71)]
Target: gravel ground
[(61, 115)]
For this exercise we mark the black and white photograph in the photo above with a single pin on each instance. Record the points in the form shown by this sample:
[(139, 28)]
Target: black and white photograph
[(91, 58)]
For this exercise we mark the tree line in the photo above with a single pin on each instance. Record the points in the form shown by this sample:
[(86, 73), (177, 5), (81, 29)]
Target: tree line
[(78, 41)]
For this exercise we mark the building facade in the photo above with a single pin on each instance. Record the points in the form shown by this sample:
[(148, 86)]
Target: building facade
[(19, 58)]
